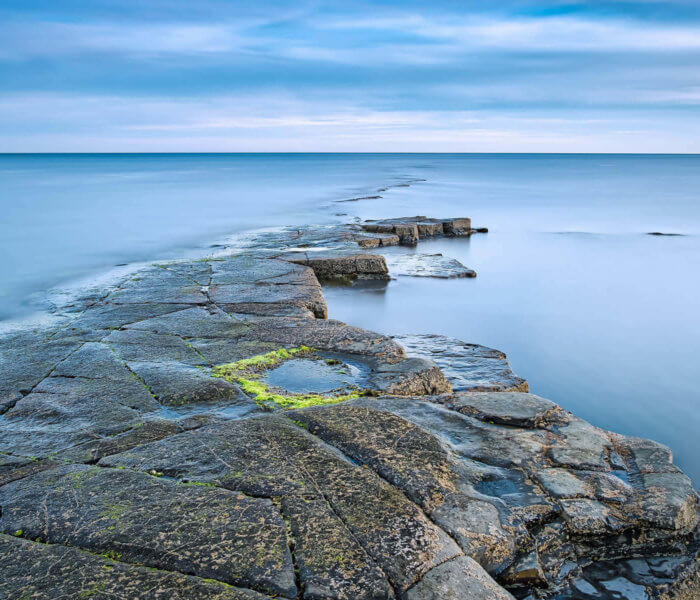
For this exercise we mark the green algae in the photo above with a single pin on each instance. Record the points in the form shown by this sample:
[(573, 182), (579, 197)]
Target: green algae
[(261, 361), (246, 374), (262, 395)]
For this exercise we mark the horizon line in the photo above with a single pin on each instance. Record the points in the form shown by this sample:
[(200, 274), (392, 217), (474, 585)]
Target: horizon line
[(279, 152)]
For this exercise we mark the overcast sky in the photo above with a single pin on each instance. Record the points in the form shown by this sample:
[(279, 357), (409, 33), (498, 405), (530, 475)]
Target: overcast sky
[(462, 76)]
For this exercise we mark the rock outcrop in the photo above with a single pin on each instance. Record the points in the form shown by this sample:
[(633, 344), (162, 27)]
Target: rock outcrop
[(156, 441), (410, 229), (346, 267)]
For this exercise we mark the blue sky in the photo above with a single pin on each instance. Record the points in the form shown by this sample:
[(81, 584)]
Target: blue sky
[(510, 76)]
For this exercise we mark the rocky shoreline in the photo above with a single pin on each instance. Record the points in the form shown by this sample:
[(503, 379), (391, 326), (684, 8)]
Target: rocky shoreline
[(203, 430)]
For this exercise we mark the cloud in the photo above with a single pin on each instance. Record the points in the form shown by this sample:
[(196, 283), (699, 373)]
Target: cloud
[(555, 33), (27, 39), (321, 74), (281, 122)]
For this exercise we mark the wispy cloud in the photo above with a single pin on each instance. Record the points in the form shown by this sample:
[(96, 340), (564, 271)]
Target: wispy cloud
[(284, 123), (534, 34), (314, 75)]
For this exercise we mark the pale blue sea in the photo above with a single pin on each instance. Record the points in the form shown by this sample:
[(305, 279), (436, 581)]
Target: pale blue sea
[(597, 315)]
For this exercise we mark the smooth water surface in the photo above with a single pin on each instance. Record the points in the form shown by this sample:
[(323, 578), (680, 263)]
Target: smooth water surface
[(65, 217), (597, 315)]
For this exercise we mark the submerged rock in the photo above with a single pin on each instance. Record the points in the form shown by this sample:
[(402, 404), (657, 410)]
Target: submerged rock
[(427, 265)]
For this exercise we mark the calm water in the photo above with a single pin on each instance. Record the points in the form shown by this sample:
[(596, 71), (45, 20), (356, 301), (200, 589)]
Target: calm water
[(596, 315)]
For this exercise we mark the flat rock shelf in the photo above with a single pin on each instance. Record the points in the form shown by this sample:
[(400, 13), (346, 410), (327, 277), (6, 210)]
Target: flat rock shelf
[(202, 430)]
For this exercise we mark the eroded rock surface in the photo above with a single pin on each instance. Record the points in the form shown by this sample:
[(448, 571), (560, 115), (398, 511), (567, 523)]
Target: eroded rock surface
[(129, 469), (410, 229), (351, 267), (468, 367)]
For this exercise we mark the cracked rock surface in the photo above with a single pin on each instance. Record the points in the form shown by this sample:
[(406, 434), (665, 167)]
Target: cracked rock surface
[(128, 469)]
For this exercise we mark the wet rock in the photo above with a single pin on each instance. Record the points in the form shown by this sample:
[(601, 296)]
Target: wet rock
[(456, 227), (647, 456), (198, 271), (331, 563), (133, 517), (584, 516), (663, 577), (351, 267), (581, 445), (468, 367), (67, 411), (30, 467), (325, 335), (372, 498), (410, 229), (9, 399), (247, 269), (25, 359), (33, 570), (377, 240), (368, 242), (158, 285), (427, 265), (669, 500), (406, 232), (112, 316), (416, 463), (150, 431), (508, 408), (9, 463), (410, 377), (458, 578), (561, 483), (174, 384), (270, 299), (195, 322), (219, 351), (133, 345), (525, 571)]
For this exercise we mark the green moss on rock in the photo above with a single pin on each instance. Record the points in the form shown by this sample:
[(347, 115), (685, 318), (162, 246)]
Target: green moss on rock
[(246, 373)]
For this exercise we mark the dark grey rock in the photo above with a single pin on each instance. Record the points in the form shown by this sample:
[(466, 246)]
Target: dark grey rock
[(508, 408), (174, 384), (400, 496), (410, 377), (41, 571), (459, 578), (468, 367), (133, 517), (271, 456)]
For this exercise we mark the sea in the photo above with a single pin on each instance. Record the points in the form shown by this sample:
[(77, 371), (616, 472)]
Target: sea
[(594, 312)]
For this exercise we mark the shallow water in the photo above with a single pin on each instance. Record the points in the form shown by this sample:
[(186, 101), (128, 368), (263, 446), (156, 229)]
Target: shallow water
[(598, 316)]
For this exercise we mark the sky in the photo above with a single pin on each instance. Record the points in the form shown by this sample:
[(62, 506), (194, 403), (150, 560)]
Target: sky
[(391, 76)]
